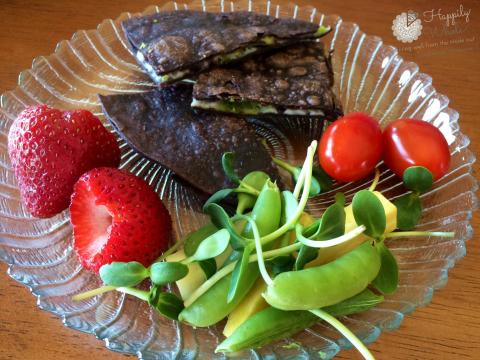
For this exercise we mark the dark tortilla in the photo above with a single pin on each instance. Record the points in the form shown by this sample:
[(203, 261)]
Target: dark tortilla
[(297, 77), (184, 39), (161, 125)]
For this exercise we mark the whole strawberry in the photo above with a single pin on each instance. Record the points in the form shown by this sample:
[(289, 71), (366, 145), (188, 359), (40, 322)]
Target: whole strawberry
[(117, 216), (50, 149)]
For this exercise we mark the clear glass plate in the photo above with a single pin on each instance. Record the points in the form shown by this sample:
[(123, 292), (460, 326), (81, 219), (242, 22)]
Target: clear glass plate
[(369, 76)]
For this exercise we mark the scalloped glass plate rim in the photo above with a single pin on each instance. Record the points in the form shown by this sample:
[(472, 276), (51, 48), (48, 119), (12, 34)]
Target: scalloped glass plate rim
[(5, 257)]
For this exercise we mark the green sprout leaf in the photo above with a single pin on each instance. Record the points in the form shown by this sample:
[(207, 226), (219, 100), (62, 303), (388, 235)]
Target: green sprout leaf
[(194, 239), (218, 196), (322, 178), (305, 255), (282, 263), (368, 211), (123, 274), (388, 277), (289, 206), (239, 273), (409, 210), (358, 303), (209, 267), (162, 273), (417, 178), (228, 161), (340, 198), (332, 225), (221, 220), (212, 246), (166, 303)]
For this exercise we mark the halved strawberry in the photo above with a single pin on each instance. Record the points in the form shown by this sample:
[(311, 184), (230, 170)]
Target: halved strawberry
[(117, 216)]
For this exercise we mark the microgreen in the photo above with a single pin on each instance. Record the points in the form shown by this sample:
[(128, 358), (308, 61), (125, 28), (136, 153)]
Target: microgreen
[(210, 247), (218, 196), (94, 292), (166, 303), (409, 210), (322, 178), (239, 271), (295, 171), (328, 243), (342, 329), (368, 211), (375, 181), (289, 206), (332, 225), (282, 263), (209, 267), (194, 239), (388, 276), (340, 198), (228, 160), (123, 273), (162, 273), (220, 218), (417, 178), (268, 255), (358, 303)]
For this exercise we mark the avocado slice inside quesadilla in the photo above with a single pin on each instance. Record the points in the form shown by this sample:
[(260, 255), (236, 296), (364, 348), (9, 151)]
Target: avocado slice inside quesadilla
[(174, 45), (296, 80)]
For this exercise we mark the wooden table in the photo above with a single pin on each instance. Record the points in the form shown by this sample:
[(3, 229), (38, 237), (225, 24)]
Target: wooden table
[(447, 329)]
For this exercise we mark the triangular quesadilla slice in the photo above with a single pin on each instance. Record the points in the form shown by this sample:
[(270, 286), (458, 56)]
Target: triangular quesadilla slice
[(161, 125), (296, 80), (179, 44)]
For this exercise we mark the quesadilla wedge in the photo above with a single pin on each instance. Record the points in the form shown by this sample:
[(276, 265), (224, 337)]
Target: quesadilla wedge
[(296, 80), (161, 125), (179, 44)]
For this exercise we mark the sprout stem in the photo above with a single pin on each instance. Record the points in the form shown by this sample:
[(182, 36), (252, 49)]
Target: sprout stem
[(141, 294), (328, 243), (342, 329), (170, 251), (92, 293), (375, 180), (419, 233), (284, 165), (258, 246)]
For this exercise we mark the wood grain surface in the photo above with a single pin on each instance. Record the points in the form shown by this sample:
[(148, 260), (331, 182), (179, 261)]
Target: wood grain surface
[(446, 329)]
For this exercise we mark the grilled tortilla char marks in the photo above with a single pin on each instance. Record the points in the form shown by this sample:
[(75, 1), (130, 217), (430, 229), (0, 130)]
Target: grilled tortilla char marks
[(297, 77), (177, 40), (161, 125)]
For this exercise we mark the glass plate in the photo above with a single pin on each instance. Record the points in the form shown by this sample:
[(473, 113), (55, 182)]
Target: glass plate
[(369, 76)]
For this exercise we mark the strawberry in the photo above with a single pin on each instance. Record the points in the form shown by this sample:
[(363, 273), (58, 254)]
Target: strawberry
[(117, 216), (50, 149)]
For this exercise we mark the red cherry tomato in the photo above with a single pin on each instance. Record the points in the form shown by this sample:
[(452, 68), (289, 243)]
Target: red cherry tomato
[(410, 142), (351, 147)]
